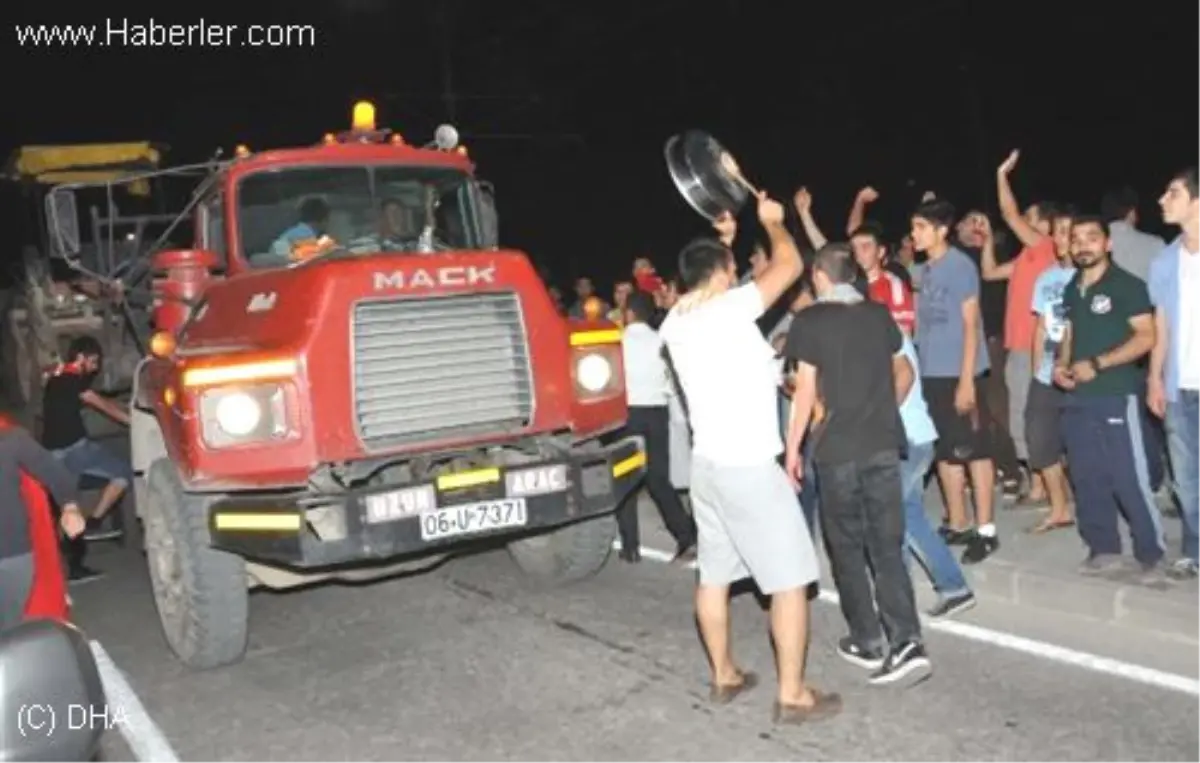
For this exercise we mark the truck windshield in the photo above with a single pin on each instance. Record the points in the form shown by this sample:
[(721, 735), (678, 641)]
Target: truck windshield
[(285, 215)]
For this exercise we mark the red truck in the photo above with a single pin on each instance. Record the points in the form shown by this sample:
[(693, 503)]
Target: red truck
[(350, 379)]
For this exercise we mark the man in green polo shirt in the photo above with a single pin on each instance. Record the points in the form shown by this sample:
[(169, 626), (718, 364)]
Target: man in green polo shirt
[(1110, 328)]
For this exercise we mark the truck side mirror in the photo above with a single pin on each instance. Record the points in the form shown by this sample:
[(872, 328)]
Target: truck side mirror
[(489, 224), (62, 219)]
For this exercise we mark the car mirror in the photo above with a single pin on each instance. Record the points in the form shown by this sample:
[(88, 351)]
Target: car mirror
[(51, 690)]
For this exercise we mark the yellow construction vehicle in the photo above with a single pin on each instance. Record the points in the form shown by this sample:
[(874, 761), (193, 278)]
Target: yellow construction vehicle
[(56, 298)]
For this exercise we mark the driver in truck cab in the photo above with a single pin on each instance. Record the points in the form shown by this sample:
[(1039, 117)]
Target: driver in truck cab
[(314, 221), (67, 390), (396, 226)]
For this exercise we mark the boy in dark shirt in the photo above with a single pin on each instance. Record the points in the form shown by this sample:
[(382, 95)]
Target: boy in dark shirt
[(19, 451), (69, 388), (849, 353)]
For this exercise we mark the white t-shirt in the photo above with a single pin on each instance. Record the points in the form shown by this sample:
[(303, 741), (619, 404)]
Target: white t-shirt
[(729, 377), (646, 375)]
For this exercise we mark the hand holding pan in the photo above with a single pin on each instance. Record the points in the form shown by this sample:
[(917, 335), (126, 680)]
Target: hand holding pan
[(706, 175)]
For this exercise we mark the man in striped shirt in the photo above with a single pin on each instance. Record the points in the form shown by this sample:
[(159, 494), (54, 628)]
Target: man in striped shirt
[(883, 286)]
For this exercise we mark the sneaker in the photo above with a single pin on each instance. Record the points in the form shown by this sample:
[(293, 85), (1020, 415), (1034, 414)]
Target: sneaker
[(979, 547), (1102, 564), (101, 529), (955, 537), (909, 659), (851, 652), (83, 574), (949, 606), (1183, 569), (1151, 575)]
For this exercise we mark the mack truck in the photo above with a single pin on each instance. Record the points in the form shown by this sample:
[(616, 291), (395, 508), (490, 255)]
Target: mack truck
[(348, 378)]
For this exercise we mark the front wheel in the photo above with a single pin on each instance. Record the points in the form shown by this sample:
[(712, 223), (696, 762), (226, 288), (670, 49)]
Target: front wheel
[(201, 593), (567, 554)]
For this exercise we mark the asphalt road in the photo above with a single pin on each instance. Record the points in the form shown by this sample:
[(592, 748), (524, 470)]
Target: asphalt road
[(469, 662)]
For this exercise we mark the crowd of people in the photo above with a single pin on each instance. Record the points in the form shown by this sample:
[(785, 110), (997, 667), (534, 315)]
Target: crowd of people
[(816, 394)]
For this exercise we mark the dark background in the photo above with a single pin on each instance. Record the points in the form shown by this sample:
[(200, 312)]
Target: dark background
[(566, 106)]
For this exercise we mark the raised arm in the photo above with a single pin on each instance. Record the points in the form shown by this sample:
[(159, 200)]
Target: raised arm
[(785, 265), (803, 203), (1009, 209), (858, 211)]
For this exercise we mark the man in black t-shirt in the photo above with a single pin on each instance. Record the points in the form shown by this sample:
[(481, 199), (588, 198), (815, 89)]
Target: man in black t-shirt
[(68, 388), (993, 296), (848, 353)]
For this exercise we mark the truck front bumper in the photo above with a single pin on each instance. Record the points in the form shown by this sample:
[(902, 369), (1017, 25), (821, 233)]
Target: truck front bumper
[(432, 516)]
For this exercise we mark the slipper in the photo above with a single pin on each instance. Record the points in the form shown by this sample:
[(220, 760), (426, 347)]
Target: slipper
[(724, 694), (1049, 526)]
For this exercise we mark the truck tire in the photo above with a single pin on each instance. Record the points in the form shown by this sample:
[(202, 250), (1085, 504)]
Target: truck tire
[(200, 593), (567, 554)]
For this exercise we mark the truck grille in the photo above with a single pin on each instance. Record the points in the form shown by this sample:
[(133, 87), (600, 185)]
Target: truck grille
[(440, 367)]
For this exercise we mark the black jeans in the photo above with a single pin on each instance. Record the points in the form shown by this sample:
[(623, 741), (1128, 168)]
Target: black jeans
[(862, 516), (652, 423)]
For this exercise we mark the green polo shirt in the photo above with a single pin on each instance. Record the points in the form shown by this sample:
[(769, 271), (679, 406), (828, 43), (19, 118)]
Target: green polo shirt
[(1099, 316)]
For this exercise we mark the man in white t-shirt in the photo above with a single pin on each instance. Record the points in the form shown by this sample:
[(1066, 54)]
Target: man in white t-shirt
[(747, 515)]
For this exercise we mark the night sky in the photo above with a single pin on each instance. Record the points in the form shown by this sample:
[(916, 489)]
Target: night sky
[(566, 106)]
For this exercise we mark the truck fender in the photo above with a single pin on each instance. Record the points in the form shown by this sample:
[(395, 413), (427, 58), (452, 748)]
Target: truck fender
[(146, 444)]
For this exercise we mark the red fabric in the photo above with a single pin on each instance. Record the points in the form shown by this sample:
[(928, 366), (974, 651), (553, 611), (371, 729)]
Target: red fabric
[(648, 281), (48, 593), (891, 292)]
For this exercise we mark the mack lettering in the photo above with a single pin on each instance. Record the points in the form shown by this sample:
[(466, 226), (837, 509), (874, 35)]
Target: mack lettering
[(450, 276)]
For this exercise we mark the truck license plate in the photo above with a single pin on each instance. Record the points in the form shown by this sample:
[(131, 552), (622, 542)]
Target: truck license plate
[(472, 518)]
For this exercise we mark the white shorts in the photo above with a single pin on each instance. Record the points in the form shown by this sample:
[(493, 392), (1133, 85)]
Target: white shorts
[(750, 524)]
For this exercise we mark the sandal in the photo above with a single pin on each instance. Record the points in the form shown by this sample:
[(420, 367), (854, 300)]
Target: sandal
[(724, 694), (1050, 525), (825, 705)]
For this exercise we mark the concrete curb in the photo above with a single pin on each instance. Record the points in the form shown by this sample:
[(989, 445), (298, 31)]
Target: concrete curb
[(1170, 611), (1174, 612)]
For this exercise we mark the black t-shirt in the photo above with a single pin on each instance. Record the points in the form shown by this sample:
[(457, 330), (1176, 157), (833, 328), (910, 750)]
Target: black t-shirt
[(851, 346), (62, 410)]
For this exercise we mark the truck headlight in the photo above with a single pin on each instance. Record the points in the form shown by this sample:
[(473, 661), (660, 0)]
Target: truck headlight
[(243, 415), (596, 372), (593, 372)]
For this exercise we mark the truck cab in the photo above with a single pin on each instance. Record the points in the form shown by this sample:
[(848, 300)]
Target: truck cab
[(350, 378)]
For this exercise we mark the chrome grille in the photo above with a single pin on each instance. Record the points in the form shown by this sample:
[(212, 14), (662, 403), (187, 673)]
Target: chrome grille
[(440, 367)]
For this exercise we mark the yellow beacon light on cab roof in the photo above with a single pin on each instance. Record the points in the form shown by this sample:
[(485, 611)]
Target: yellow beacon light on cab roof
[(363, 117)]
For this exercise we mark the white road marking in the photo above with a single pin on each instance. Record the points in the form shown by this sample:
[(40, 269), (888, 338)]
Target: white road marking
[(141, 733), (1045, 650)]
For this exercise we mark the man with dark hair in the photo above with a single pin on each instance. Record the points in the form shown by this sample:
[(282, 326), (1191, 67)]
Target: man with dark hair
[(67, 390), (883, 286), (1043, 412), (647, 389), (747, 516), (1110, 329), (584, 291), (1174, 381), (1132, 249), (951, 350), (314, 220), (1032, 229), (849, 354), (969, 237)]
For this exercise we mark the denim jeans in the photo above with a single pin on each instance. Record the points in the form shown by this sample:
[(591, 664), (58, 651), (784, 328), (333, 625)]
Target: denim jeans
[(1183, 417), (921, 541), (863, 521)]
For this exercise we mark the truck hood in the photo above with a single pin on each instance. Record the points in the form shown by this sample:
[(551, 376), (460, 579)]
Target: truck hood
[(306, 313), (277, 310)]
